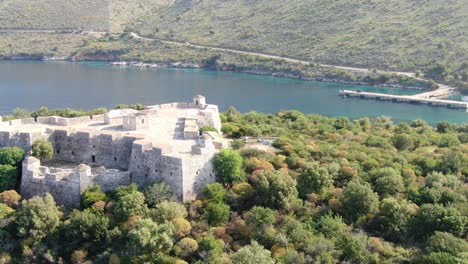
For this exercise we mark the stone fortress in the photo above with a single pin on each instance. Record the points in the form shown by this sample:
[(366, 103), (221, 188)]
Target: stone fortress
[(161, 143)]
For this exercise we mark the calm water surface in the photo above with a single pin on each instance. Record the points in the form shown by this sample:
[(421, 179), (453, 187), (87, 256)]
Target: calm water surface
[(31, 85)]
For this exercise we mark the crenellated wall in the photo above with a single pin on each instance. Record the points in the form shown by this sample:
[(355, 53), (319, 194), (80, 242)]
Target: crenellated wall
[(104, 149), (67, 184), (161, 142)]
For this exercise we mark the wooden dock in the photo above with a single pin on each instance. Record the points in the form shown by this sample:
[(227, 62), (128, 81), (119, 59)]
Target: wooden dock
[(428, 98)]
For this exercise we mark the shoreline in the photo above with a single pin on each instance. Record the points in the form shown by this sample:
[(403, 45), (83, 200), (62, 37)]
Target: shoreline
[(188, 65)]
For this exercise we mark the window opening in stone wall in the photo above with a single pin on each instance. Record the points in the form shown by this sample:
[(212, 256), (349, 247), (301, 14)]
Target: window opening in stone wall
[(93, 158), (115, 158), (94, 146), (58, 151), (73, 153)]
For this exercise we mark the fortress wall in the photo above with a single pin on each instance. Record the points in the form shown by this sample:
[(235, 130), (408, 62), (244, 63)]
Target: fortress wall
[(66, 185), (199, 170), (150, 163), (170, 170), (138, 165), (35, 183), (5, 138), (20, 139), (112, 179), (91, 148)]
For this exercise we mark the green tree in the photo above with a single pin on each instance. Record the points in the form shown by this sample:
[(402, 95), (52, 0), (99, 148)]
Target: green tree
[(431, 218), (130, 205), (403, 142), (210, 248), (229, 166), (446, 242), (260, 218), (445, 127), (150, 237), (358, 199), (313, 179), (389, 183), (333, 226), (217, 213), (241, 196), (252, 254), (354, 250), (87, 228), (42, 149), (11, 156), (214, 192), (276, 189), (167, 211), (157, 192), (91, 195), (452, 162), (37, 218), (186, 247), (394, 218), (8, 177), (5, 211), (440, 258)]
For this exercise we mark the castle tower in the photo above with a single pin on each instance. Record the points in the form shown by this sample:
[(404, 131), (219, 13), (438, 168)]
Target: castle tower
[(199, 101)]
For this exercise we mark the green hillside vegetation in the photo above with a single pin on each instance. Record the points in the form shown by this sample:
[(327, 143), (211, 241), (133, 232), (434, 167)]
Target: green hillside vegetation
[(329, 190), (427, 36), (124, 12), (401, 35), (102, 15), (55, 14)]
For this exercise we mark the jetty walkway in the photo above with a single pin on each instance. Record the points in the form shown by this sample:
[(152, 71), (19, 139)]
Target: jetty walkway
[(427, 98)]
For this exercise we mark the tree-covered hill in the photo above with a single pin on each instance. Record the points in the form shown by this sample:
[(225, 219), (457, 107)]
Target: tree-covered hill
[(328, 190)]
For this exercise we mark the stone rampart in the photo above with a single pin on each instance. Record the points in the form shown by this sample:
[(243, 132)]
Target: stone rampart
[(161, 142), (67, 184)]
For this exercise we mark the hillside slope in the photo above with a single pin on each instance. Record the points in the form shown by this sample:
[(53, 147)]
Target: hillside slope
[(395, 34), (102, 15), (55, 14), (398, 35)]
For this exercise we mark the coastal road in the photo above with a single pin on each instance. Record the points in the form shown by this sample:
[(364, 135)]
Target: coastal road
[(265, 55)]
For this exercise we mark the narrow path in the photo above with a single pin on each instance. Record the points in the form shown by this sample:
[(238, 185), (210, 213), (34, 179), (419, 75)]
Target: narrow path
[(442, 91), (135, 35)]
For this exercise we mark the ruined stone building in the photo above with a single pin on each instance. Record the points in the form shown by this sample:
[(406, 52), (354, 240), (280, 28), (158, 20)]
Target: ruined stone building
[(125, 146)]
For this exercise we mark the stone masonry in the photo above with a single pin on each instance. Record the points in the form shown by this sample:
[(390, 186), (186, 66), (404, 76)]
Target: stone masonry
[(124, 146)]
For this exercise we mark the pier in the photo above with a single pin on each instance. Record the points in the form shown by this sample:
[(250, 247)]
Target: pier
[(427, 98)]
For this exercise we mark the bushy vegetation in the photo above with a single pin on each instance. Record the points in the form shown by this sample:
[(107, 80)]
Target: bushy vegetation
[(331, 190)]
